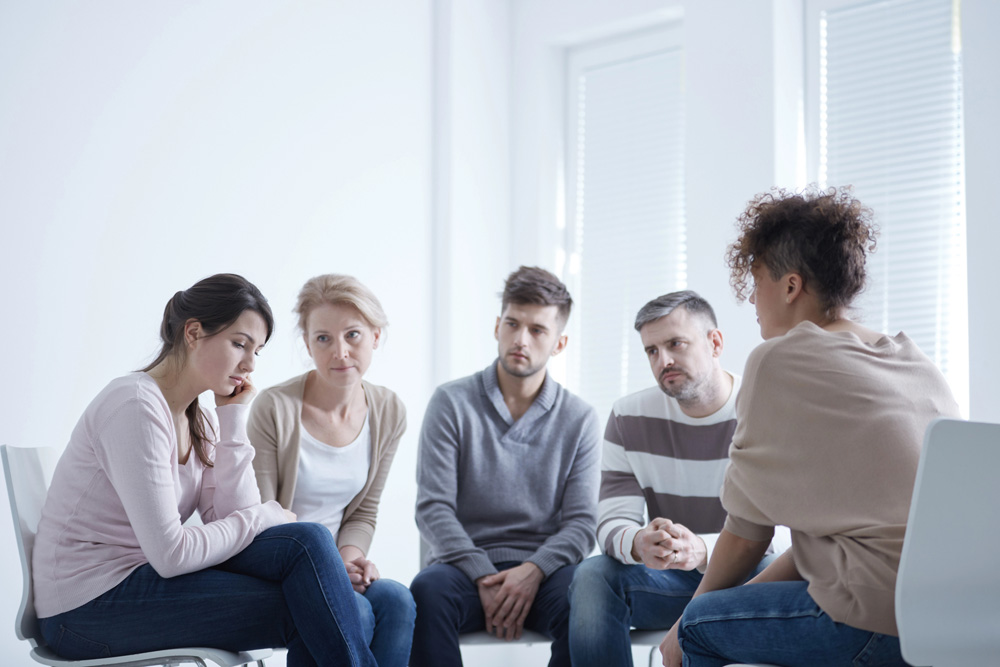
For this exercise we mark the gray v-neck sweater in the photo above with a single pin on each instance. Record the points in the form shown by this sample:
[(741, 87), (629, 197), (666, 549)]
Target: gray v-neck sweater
[(491, 489)]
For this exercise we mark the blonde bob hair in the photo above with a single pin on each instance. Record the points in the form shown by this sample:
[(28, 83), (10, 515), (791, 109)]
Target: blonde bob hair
[(335, 288)]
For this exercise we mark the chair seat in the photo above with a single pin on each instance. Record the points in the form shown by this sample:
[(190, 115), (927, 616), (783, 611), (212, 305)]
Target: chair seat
[(45, 656), (482, 638)]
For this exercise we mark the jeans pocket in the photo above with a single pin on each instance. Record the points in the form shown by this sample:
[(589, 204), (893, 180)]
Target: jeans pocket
[(77, 647)]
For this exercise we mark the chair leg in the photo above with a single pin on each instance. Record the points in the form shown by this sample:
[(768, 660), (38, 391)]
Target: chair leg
[(652, 656)]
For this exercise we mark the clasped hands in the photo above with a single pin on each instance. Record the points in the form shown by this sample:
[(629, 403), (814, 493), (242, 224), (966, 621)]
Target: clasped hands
[(665, 545), (507, 598), (361, 571)]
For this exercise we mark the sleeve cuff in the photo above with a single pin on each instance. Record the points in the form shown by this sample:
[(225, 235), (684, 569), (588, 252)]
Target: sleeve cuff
[(623, 543), (233, 424), (475, 566), (748, 530)]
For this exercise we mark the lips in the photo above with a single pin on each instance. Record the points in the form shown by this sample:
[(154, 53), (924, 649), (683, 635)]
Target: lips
[(236, 380), (669, 376)]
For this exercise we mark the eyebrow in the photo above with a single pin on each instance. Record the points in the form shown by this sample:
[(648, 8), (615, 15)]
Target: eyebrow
[(247, 336)]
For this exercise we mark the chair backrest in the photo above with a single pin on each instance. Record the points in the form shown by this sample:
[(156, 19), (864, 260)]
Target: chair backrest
[(27, 473), (948, 589)]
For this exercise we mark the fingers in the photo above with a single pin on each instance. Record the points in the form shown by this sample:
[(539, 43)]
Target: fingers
[(371, 572)]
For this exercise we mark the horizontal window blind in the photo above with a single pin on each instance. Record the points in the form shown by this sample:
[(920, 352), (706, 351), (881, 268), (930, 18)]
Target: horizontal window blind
[(627, 224), (891, 125)]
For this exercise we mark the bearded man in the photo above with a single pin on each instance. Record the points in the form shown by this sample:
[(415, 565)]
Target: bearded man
[(665, 452)]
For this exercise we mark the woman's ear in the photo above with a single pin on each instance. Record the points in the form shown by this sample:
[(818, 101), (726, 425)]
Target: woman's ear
[(793, 285), (192, 332), (377, 334)]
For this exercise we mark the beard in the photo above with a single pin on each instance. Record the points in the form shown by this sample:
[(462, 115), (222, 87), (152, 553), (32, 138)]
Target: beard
[(690, 389), (520, 371)]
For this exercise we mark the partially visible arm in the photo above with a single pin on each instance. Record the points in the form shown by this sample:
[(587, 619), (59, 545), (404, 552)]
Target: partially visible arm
[(358, 527), (135, 449), (621, 505), (575, 537), (262, 430), (437, 491), (229, 485), (781, 568)]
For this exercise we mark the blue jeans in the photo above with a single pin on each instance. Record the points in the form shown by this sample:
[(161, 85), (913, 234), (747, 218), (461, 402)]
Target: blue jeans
[(287, 588), (387, 614), (776, 623), (607, 598), (448, 604)]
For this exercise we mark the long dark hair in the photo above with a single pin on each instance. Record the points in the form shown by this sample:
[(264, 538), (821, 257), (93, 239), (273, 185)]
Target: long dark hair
[(216, 302)]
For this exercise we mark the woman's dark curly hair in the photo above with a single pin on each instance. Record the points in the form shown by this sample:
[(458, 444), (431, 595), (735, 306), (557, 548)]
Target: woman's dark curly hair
[(823, 235)]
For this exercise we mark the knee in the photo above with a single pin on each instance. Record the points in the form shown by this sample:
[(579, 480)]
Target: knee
[(367, 616), (312, 538), (395, 599), (595, 578)]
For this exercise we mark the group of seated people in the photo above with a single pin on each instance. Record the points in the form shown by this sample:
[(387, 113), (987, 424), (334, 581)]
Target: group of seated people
[(822, 434)]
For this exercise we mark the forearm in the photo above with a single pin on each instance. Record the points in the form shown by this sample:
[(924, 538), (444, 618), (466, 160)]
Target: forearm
[(781, 568), (231, 479), (733, 559)]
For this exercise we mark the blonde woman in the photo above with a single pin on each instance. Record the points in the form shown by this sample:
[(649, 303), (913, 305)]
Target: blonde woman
[(325, 441)]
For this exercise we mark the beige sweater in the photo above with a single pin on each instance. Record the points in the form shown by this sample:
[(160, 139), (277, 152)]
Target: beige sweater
[(275, 427), (828, 436)]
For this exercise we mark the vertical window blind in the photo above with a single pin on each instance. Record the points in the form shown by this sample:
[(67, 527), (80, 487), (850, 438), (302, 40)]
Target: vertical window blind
[(626, 231), (890, 124)]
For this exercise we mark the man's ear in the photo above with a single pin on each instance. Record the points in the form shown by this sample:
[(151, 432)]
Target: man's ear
[(560, 345), (496, 329), (715, 341)]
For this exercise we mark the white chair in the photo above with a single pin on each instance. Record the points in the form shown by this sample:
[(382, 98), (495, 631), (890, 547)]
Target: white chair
[(948, 586), (27, 481)]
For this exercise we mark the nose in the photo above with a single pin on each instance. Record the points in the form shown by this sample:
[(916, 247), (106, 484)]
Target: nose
[(753, 297), (340, 349), (249, 361), (521, 338)]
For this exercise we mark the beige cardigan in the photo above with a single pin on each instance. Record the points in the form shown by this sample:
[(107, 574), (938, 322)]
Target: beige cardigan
[(274, 428), (828, 437)]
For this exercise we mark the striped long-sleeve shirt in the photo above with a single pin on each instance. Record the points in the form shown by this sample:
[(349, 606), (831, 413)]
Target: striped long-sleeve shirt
[(658, 459)]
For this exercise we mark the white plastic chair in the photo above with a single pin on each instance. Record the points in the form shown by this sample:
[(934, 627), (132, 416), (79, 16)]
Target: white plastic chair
[(948, 588), (27, 481)]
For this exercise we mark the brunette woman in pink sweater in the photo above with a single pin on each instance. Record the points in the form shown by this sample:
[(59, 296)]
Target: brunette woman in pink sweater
[(117, 571)]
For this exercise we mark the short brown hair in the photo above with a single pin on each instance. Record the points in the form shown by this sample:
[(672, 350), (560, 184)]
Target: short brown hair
[(823, 235), (335, 288), (534, 285)]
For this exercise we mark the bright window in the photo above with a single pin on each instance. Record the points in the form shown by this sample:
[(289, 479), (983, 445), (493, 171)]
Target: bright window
[(625, 235), (886, 77)]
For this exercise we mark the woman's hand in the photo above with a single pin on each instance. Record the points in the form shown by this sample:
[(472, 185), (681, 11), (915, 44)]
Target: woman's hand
[(362, 572), (242, 394), (671, 649)]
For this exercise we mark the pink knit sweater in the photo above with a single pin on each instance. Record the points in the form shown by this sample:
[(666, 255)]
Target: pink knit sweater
[(118, 498)]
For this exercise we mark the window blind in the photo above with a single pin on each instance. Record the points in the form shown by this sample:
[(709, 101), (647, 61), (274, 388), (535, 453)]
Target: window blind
[(891, 125), (626, 205)]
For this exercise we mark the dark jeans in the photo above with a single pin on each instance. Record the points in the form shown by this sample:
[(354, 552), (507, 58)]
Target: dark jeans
[(448, 604), (288, 588), (776, 623)]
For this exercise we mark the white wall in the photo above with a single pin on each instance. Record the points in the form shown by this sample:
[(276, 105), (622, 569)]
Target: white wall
[(146, 145)]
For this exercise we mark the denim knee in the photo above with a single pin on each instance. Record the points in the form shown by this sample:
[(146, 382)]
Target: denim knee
[(597, 576), (392, 599)]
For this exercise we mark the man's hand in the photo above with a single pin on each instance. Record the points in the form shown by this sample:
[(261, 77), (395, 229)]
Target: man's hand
[(507, 597), (665, 545), (671, 649)]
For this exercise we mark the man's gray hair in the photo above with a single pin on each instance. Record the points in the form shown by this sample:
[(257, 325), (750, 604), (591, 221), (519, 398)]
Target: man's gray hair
[(662, 306)]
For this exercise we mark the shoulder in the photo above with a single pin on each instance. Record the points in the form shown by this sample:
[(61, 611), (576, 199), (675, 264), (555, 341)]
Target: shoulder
[(651, 402), (135, 392), (384, 401), (288, 393), (571, 408), (458, 391)]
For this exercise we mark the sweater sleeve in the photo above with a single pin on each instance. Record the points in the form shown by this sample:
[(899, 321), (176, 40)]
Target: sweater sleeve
[(262, 429), (621, 505), (135, 448), (437, 490), (576, 534), (229, 485), (358, 528)]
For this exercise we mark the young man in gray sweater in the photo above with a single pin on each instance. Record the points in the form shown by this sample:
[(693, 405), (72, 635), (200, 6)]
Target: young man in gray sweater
[(507, 477)]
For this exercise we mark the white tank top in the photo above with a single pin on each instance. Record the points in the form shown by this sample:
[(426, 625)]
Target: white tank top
[(329, 477)]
